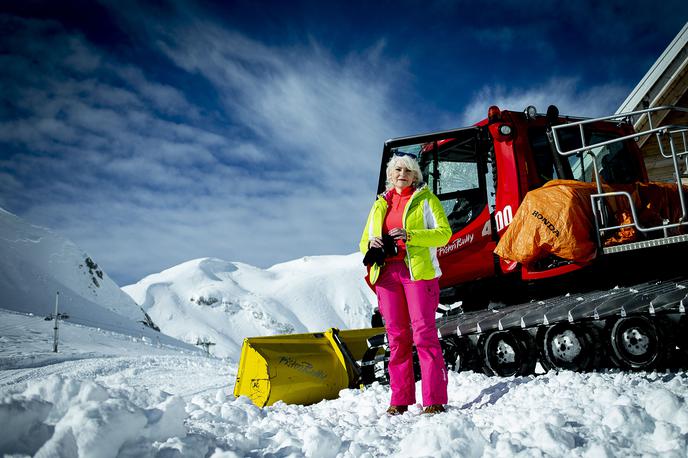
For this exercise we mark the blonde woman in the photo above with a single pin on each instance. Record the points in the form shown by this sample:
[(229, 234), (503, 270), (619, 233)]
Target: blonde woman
[(407, 284)]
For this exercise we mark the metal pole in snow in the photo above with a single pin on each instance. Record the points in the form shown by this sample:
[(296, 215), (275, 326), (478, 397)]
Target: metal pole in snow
[(57, 296)]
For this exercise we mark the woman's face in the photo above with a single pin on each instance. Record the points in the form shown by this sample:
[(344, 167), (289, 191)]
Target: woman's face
[(401, 177)]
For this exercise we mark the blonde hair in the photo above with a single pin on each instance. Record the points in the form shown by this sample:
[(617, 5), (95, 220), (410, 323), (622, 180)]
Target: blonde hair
[(409, 163)]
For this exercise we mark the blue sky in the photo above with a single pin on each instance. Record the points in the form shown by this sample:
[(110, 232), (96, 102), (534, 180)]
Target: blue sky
[(152, 133)]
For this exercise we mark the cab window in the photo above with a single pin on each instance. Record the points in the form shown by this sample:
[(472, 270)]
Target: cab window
[(452, 170), (614, 162)]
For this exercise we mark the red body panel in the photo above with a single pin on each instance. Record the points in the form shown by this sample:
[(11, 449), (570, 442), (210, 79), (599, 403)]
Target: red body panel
[(463, 258)]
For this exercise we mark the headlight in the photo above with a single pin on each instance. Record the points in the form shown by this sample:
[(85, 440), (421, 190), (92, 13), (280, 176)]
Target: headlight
[(505, 129), (530, 112)]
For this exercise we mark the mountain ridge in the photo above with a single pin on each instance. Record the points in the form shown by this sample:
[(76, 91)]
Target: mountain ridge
[(224, 301)]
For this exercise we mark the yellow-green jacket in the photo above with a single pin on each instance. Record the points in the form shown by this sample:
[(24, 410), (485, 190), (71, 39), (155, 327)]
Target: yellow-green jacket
[(426, 228)]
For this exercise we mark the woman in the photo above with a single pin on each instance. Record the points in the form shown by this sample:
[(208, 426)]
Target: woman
[(406, 286)]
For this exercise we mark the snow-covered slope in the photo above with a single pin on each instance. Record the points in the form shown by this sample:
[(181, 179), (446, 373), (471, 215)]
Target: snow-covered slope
[(224, 302), (26, 341), (131, 398), (36, 263)]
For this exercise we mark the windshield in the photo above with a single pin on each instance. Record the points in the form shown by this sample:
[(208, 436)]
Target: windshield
[(454, 169)]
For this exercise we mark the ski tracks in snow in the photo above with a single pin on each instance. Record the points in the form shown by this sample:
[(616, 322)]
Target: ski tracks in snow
[(180, 375)]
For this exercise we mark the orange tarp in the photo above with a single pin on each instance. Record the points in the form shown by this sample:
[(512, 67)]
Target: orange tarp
[(556, 219)]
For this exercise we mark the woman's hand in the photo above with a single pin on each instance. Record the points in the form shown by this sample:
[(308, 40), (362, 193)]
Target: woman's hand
[(375, 242), (398, 233)]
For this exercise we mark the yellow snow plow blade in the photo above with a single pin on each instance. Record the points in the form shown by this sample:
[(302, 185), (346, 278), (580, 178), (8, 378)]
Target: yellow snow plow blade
[(300, 368)]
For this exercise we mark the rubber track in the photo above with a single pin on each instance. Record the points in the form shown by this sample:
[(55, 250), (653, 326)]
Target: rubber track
[(664, 296)]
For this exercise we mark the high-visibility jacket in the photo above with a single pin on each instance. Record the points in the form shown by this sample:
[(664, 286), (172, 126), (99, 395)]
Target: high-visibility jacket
[(426, 228)]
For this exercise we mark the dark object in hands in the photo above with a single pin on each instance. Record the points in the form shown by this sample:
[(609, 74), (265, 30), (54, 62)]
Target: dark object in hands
[(378, 255)]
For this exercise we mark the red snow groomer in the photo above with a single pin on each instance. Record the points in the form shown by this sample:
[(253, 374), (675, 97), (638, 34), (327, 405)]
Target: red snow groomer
[(562, 252)]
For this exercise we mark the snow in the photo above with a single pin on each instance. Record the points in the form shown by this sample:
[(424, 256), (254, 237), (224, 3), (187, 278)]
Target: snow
[(36, 263), (225, 302), (116, 388), (153, 400)]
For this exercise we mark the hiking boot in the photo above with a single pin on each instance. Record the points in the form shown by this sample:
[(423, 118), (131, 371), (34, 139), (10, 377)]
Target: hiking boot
[(433, 409), (396, 410)]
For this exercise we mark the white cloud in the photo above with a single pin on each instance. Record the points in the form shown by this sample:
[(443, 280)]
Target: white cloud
[(162, 97), (142, 175), (565, 93), (334, 113), (245, 151)]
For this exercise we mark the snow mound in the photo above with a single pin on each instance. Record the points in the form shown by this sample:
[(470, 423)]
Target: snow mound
[(84, 419)]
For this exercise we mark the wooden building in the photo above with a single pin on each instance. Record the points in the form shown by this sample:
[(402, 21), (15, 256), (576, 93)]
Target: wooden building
[(666, 83)]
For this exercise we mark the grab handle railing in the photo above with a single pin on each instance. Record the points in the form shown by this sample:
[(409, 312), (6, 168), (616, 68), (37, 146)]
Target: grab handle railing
[(670, 133)]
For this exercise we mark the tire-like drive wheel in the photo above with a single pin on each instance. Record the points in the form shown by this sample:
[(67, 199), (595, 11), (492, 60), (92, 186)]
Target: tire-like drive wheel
[(507, 353), (635, 342), (374, 366), (567, 346), (451, 353)]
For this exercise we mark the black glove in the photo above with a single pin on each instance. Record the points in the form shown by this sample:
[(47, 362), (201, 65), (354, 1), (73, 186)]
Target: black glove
[(390, 245), (378, 255)]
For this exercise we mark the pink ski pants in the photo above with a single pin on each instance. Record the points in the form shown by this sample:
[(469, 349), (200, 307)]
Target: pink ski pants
[(408, 308)]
